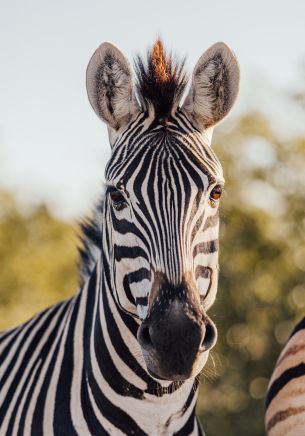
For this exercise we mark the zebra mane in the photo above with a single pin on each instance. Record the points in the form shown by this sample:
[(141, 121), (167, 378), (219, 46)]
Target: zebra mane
[(161, 80), (91, 242)]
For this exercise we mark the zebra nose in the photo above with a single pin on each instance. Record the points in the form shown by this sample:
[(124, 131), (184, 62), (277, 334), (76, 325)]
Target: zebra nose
[(174, 332), (209, 335), (174, 341)]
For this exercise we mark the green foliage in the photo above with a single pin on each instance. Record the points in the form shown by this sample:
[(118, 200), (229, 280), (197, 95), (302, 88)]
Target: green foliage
[(262, 277), (38, 262)]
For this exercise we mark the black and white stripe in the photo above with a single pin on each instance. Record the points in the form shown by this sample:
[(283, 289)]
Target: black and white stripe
[(285, 405), (124, 354)]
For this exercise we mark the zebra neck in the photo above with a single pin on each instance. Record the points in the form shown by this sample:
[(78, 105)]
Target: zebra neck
[(114, 377)]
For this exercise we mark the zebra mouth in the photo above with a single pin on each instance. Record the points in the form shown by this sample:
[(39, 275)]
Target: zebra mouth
[(164, 372)]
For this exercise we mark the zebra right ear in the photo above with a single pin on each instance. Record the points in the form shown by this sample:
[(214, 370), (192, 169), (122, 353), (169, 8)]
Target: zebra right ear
[(214, 88), (110, 86)]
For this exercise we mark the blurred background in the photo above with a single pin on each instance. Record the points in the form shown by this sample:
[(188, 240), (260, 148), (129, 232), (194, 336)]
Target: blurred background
[(53, 152)]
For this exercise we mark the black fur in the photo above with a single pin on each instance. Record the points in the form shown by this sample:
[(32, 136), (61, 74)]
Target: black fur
[(91, 239), (161, 80)]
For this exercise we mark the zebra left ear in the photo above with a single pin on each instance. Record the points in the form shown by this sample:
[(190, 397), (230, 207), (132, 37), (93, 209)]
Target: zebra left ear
[(110, 86), (214, 88)]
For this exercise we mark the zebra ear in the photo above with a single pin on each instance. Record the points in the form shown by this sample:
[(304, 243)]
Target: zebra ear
[(110, 86), (214, 88)]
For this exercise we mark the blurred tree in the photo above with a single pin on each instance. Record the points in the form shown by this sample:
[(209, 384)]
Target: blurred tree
[(262, 276), (38, 261)]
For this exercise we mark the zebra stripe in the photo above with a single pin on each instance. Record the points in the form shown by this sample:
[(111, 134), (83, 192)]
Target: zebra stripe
[(285, 403)]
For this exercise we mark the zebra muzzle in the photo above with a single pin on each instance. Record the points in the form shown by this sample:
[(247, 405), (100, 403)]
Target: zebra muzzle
[(175, 340)]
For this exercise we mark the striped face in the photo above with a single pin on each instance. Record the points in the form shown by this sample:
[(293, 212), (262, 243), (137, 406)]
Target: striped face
[(163, 187), (162, 201)]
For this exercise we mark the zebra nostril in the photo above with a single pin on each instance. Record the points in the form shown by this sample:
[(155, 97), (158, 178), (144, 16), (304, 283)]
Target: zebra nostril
[(209, 337), (144, 337)]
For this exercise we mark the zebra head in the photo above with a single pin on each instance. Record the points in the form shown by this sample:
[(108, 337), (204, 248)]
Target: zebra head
[(163, 184)]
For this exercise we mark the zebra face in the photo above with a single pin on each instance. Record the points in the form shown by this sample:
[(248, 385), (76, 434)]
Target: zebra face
[(163, 184), (162, 212)]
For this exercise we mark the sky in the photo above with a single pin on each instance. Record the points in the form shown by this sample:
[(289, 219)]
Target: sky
[(53, 148)]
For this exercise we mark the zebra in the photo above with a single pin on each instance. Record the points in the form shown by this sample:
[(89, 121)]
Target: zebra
[(123, 355), (285, 403)]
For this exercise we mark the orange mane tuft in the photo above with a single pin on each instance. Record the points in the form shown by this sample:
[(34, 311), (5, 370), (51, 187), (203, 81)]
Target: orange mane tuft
[(160, 63), (161, 80)]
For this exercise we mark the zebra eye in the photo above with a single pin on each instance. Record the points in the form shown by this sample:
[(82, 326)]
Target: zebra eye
[(216, 193), (118, 200)]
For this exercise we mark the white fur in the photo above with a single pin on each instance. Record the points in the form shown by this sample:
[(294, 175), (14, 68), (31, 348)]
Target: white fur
[(109, 82), (208, 103)]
